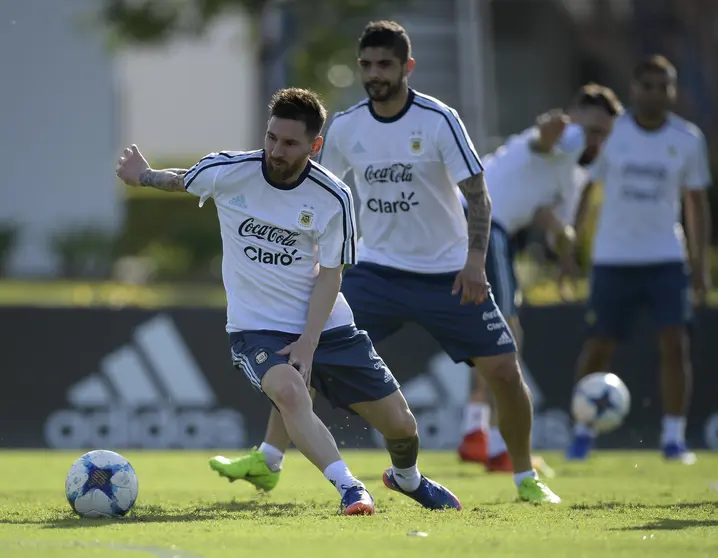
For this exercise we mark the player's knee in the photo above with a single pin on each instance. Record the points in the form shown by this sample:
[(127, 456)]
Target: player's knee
[(285, 387), (395, 420), (403, 425), (501, 370)]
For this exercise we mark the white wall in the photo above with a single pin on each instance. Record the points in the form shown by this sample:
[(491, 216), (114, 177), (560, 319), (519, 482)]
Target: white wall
[(68, 105), (57, 133), (192, 97)]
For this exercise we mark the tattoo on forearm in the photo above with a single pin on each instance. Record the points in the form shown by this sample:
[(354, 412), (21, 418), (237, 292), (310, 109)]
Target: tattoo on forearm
[(474, 188), (166, 180)]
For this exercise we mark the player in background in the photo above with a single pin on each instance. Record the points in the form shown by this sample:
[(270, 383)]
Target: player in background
[(530, 178), (651, 161), (288, 229), (418, 260)]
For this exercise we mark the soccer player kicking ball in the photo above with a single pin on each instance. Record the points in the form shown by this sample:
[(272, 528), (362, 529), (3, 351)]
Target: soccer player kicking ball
[(289, 326), (529, 179), (417, 260), (652, 159)]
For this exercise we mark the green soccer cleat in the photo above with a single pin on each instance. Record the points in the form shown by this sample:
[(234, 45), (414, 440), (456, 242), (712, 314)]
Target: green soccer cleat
[(251, 467), (533, 490)]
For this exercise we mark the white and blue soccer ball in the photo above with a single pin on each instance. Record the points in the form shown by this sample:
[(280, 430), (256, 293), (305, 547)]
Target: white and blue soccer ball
[(601, 401), (101, 483)]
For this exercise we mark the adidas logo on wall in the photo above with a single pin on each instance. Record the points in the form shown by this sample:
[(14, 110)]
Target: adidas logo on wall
[(437, 399), (150, 393)]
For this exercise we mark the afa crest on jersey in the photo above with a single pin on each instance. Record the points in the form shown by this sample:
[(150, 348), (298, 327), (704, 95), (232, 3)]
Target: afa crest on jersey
[(305, 219), (416, 144)]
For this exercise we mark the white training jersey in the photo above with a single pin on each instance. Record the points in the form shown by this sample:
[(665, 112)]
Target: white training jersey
[(273, 237), (568, 208), (406, 171), (520, 181), (643, 173)]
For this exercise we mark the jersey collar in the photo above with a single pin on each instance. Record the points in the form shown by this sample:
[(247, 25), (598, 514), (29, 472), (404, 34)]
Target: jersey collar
[(288, 186), (398, 115)]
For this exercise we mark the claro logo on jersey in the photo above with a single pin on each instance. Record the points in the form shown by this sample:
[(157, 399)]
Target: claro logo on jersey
[(284, 255), (398, 173)]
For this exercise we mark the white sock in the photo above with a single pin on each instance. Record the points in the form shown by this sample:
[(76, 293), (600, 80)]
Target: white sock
[(584, 430), (476, 417), (519, 477), (497, 446), (273, 457), (341, 477), (408, 479), (674, 430)]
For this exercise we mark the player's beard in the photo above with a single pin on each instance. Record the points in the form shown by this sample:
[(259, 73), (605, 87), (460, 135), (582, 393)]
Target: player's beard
[(383, 91), (281, 171)]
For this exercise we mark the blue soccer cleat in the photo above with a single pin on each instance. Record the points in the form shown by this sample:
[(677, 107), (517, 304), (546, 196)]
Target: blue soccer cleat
[(430, 494), (579, 448), (357, 501), (678, 452)]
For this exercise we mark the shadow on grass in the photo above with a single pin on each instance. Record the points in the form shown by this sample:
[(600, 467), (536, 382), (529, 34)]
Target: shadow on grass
[(709, 505), (160, 514), (671, 525)]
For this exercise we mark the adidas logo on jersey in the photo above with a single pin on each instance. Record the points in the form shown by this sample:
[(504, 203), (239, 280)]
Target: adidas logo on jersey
[(505, 339), (238, 201), (358, 148), (149, 393)]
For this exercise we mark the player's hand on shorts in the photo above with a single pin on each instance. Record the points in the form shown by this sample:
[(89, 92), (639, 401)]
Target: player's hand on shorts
[(301, 355), (551, 125), (131, 165), (471, 281)]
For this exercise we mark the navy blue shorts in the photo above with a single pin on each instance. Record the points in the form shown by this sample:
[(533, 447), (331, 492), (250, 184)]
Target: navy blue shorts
[(618, 292), (346, 367), (383, 299), (500, 270)]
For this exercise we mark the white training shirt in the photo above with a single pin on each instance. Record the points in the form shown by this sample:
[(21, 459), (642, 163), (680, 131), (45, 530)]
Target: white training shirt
[(568, 208), (406, 171), (273, 236), (520, 181), (643, 173)]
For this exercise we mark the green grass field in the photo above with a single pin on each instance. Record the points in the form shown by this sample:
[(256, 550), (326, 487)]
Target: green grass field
[(617, 505)]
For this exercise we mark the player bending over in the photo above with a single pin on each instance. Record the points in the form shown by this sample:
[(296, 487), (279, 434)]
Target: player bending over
[(652, 159), (417, 260), (530, 180), (289, 326)]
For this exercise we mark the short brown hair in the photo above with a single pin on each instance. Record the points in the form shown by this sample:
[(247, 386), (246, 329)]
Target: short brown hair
[(299, 104), (386, 34), (595, 95), (655, 63)]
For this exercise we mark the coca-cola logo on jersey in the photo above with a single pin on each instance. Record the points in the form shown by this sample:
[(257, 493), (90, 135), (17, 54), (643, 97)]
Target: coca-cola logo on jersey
[(396, 173), (277, 235)]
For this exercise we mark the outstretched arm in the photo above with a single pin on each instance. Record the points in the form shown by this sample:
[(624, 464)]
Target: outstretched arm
[(167, 180), (134, 170)]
